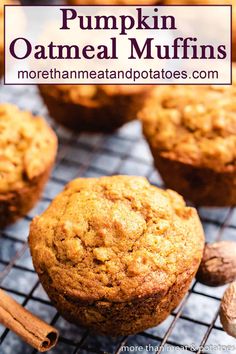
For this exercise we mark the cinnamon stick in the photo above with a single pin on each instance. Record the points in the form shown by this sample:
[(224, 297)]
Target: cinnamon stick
[(30, 328)]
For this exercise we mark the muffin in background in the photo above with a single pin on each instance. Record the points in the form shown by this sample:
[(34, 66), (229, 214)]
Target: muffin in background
[(93, 108), (212, 2), (191, 131), (116, 254), (27, 151)]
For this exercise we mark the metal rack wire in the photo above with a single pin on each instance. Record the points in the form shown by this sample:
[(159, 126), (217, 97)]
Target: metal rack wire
[(193, 327)]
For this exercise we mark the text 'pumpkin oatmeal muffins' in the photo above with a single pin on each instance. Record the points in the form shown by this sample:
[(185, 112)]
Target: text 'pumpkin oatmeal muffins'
[(27, 152), (212, 2), (116, 254), (93, 107), (192, 134)]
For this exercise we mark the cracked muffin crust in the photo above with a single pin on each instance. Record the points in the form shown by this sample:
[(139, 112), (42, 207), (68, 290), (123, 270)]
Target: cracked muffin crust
[(192, 134), (27, 152), (93, 107), (115, 253), (212, 2)]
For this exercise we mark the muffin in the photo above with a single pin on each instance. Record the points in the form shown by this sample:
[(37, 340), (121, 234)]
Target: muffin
[(212, 2), (116, 254), (93, 107), (27, 152), (191, 131)]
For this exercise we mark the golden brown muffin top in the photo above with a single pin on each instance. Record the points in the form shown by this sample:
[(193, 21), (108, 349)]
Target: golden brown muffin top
[(193, 124), (115, 238), (92, 95), (27, 147)]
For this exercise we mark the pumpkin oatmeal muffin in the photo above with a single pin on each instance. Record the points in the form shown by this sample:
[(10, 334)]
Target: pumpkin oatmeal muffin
[(93, 107), (116, 254), (212, 2), (27, 152), (192, 134)]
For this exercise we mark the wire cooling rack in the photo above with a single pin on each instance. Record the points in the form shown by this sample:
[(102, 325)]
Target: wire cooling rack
[(193, 327)]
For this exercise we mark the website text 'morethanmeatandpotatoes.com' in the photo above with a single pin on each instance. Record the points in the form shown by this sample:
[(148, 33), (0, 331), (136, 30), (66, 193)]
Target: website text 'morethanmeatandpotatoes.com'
[(131, 75)]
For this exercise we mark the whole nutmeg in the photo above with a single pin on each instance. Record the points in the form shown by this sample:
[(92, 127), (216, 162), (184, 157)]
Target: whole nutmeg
[(218, 266), (228, 310)]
